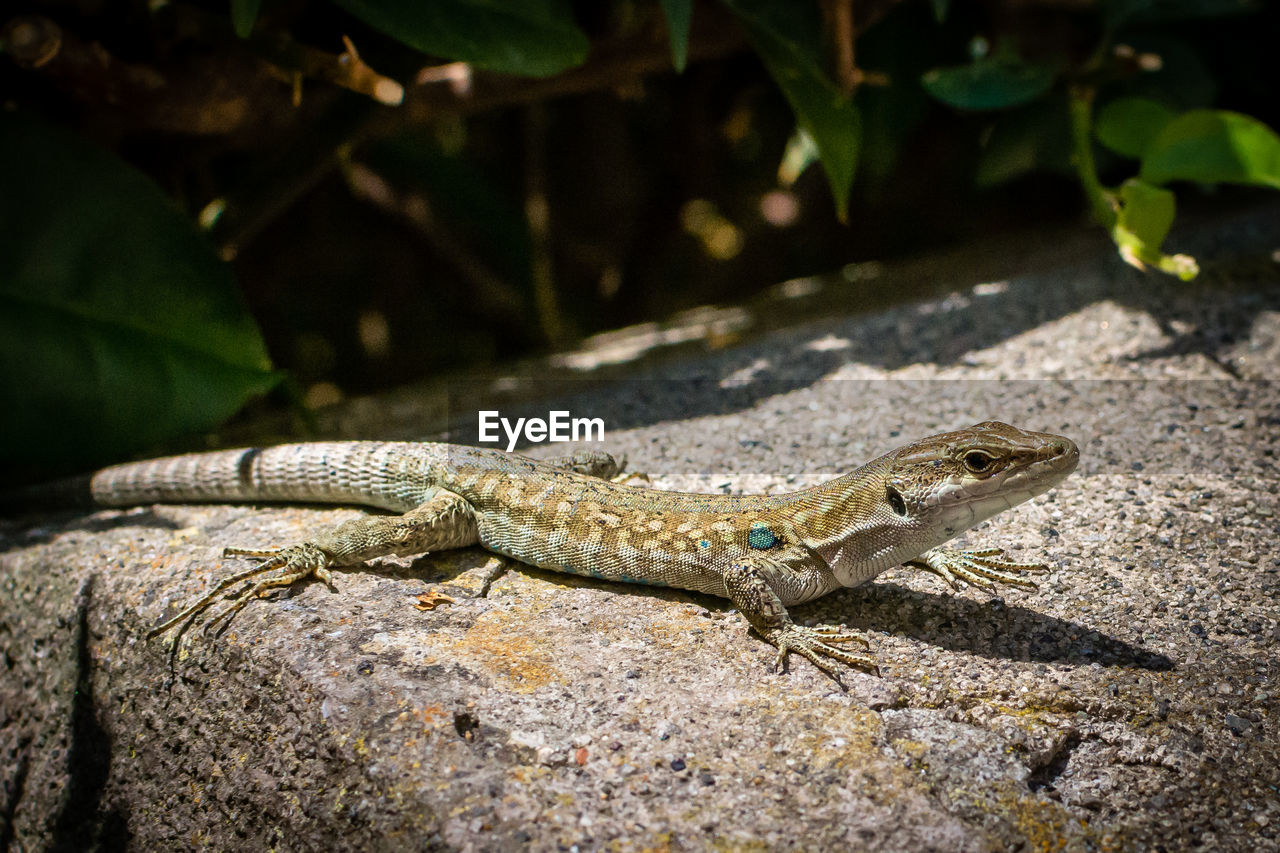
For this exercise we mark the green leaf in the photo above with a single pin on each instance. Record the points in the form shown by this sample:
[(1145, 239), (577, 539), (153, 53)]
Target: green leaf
[(788, 38), (1142, 222), (1146, 212), (119, 328), (1137, 215), (679, 17), (940, 9), (1128, 126), (244, 14), (992, 83), (1214, 146), (534, 38)]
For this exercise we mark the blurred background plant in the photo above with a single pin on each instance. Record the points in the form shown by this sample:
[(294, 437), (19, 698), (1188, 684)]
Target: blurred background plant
[(368, 192)]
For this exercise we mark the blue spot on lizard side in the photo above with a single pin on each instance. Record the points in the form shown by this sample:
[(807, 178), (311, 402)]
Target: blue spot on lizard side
[(761, 537)]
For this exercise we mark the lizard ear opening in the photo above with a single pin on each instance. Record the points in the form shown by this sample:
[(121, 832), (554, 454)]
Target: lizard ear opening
[(896, 503)]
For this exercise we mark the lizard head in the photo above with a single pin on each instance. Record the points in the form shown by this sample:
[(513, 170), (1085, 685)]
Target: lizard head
[(919, 496), (947, 483)]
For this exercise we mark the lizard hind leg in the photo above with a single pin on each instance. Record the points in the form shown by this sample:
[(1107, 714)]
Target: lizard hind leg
[(443, 521), (597, 463), (283, 567), (592, 463)]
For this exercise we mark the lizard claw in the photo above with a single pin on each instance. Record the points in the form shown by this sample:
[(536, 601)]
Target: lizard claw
[(981, 567), (815, 645)]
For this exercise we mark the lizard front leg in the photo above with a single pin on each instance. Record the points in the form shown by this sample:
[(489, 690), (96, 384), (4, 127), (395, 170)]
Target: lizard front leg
[(445, 521), (750, 586), (982, 567)]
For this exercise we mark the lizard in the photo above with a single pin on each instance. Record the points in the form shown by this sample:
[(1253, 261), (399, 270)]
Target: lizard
[(764, 553)]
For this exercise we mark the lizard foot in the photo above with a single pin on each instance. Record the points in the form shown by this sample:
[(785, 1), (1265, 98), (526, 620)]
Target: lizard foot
[(982, 567), (815, 645), (282, 566)]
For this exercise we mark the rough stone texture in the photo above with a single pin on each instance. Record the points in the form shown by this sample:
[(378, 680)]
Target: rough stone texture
[(1129, 703)]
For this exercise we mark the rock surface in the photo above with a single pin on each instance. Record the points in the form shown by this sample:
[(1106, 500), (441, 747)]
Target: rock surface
[(1129, 703)]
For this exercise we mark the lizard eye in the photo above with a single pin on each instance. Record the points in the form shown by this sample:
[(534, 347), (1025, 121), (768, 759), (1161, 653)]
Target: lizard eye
[(978, 462), (896, 503)]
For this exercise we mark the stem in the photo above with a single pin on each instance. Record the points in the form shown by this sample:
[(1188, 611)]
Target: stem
[(1101, 200)]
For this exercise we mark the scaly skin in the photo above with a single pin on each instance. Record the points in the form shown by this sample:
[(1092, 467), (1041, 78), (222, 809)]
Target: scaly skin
[(763, 553)]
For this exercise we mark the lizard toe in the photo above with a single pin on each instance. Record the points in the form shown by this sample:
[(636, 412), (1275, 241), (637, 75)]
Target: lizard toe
[(815, 646), (839, 634), (980, 567)]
